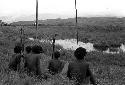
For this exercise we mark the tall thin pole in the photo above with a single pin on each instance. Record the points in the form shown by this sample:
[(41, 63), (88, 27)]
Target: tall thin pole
[(53, 46), (21, 41), (54, 39), (77, 36), (36, 18)]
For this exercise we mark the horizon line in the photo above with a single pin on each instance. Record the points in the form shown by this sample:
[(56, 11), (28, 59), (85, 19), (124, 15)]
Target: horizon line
[(92, 16)]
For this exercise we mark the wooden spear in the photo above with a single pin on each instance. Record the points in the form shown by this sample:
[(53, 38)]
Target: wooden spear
[(36, 18), (77, 34), (53, 44)]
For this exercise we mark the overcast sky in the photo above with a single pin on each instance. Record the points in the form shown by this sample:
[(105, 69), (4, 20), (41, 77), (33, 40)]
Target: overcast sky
[(64, 7)]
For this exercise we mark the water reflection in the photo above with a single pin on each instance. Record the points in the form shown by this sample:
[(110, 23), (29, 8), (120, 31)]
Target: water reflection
[(122, 47), (70, 44)]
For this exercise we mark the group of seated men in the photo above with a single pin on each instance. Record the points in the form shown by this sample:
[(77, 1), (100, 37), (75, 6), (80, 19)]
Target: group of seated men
[(77, 71)]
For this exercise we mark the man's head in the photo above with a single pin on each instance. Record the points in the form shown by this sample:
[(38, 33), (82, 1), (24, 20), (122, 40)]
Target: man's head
[(80, 53), (37, 49), (40, 49), (28, 49), (17, 49), (56, 54)]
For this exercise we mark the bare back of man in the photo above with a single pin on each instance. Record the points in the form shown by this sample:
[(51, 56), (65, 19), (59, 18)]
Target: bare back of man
[(32, 63), (78, 71)]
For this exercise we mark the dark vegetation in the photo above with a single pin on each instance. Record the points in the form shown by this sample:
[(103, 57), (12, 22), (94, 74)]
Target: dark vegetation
[(94, 29)]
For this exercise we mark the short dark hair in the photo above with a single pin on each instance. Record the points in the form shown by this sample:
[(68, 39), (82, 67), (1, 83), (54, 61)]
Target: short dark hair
[(56, 54), (80, 53), (37, 49), (17, 49), (40, 49), (28, 49)]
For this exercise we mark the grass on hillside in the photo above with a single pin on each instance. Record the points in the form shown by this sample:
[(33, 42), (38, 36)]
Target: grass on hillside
[(85, 33)]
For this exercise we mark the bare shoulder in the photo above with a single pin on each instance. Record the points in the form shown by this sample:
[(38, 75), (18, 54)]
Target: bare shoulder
[(87, 63), (14, 55), (71, 63)]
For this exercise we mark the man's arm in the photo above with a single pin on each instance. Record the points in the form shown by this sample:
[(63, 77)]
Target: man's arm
[(92, 80), (39, 73), (38, 65), (65, 68), (69, 71)]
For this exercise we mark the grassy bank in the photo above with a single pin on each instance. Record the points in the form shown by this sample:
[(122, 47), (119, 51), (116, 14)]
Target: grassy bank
[(108, 69)]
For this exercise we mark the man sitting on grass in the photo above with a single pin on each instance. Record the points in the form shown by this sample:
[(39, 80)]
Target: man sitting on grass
[(79, 70), (55, 65), (15, 60), (32, 61)]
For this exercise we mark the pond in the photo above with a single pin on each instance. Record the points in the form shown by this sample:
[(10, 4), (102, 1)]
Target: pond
[(71, 44)]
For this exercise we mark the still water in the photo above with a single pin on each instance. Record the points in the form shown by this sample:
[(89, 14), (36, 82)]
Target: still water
[(71, 44)]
